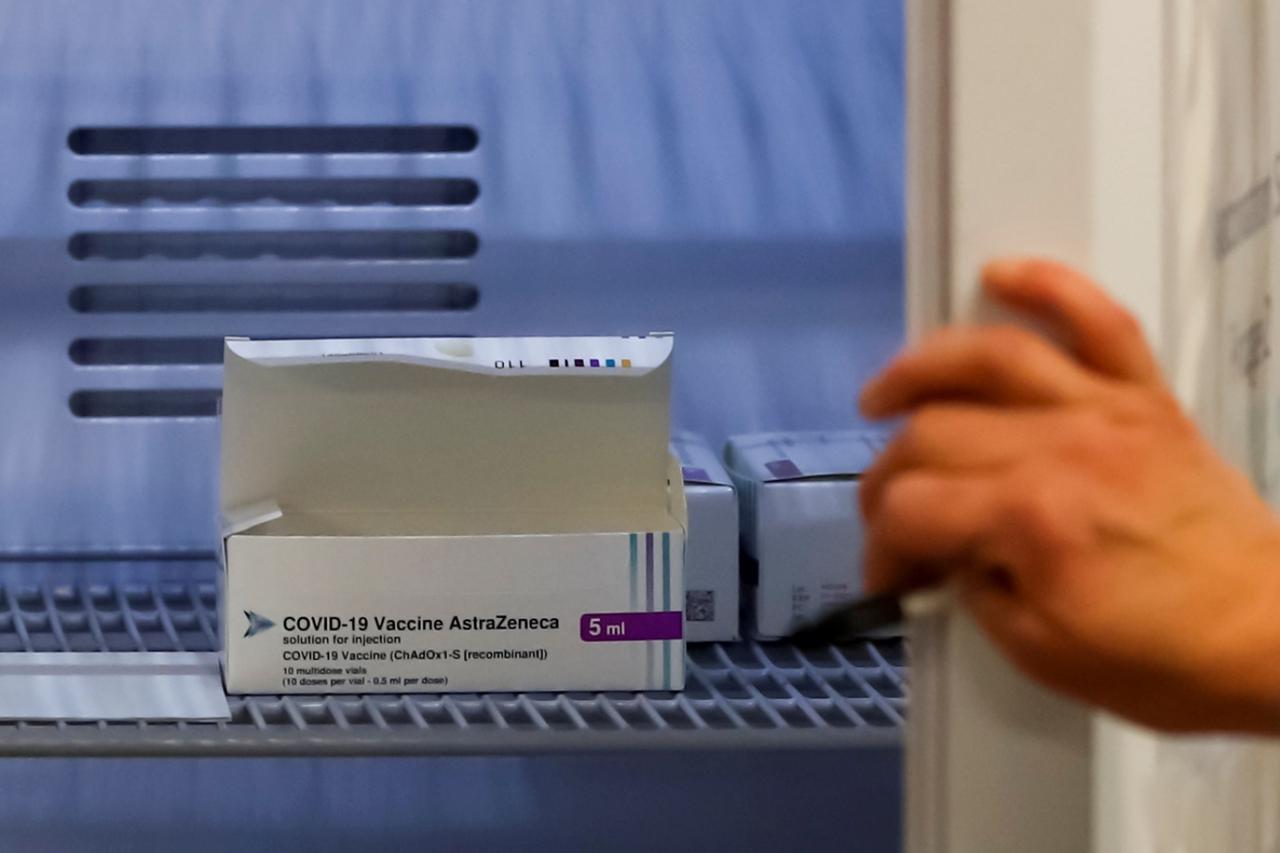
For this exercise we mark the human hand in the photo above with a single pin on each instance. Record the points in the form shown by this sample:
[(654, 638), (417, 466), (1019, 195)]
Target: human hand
[(1078, 513)]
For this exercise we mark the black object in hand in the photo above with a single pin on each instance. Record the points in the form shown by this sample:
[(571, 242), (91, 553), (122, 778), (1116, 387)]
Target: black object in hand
[(850, 621)]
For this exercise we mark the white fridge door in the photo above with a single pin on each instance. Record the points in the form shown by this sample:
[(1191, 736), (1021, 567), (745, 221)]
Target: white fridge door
[(1140, 140)]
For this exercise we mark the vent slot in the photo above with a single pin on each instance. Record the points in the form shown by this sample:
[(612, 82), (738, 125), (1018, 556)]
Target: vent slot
[(283, 192), (235, 289), (320, 139), (146, 351), (175, 403), (340, 297), (284, 245)]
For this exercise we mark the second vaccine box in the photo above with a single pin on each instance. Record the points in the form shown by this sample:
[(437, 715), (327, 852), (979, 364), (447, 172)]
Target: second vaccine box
[(711, 554), (798, 494)]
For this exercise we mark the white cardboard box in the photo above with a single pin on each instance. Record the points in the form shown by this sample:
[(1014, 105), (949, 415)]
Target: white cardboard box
[(798, 494), (450, 515), (711, 553)]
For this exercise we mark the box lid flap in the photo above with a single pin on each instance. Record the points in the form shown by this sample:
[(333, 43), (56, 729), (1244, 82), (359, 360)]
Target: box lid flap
[(779, 456), (446, 424), (698, 462)]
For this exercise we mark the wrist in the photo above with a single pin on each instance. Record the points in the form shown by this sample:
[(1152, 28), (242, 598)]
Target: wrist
[(1246, 659)]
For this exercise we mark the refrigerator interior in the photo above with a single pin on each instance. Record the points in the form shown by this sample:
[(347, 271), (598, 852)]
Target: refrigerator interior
[(178, 172)]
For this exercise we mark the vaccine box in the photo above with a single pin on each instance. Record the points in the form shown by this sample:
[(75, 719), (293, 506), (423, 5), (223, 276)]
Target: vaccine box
[(450, 515), (711, 553), (798, 494)]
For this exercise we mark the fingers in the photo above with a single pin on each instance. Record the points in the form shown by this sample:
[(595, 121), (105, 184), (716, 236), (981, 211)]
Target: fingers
[(932, 529), (1019, 630), (1103, 334), (951, 438), (1003, 365), (927, 526), (1010, 366)]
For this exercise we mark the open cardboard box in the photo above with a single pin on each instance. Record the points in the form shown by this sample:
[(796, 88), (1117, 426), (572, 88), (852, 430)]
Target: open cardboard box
[(450, 514)]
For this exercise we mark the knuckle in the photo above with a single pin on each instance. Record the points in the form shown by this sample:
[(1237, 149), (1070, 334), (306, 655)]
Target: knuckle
[(1149, 409), (1036, 507), (928, 431), (907, 443), (1167, 409), (1129, 406), (907, 439), (1006, 338), (1112, 463), (907, 502), (1004, 346), (927, 425), (1040, 510), (1089, 434), (1124, 323), (898, 500)]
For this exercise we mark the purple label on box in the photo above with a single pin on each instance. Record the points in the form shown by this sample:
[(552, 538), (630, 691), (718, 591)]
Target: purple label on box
[(691, 474), (783, 469), (631, 627)]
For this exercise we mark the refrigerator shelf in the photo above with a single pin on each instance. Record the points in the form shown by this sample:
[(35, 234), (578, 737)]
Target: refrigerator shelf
[(738, 695)]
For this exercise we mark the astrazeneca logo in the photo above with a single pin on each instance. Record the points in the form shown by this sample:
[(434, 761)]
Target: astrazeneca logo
[(257, 623)]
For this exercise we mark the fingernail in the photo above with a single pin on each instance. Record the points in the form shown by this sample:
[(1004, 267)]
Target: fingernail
[(1001, 272)]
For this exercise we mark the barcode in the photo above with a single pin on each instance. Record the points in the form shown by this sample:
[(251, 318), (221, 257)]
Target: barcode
[(700, 605)]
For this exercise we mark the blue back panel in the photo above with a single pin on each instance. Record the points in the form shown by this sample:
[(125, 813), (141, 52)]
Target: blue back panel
[(731, 171)]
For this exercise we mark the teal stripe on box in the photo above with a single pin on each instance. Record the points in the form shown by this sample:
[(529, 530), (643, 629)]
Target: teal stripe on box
[(635, 563), (666, 571), (648, 572), (648, 604)]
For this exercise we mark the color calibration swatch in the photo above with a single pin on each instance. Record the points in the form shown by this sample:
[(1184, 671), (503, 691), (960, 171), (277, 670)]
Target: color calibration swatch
[(590, 362)]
